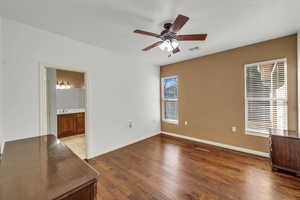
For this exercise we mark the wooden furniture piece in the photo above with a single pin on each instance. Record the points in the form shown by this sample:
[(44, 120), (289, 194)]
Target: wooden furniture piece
[(285, 151), (70, 124), (42, 168)]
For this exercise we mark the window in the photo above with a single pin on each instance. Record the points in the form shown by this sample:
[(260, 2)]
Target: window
[(170, 99), (266, 99)]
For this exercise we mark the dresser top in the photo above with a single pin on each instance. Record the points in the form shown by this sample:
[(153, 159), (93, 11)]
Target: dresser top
[(286, 133), (41, 168)]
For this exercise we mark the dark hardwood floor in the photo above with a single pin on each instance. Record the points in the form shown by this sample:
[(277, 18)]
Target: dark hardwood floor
[(167, 168)]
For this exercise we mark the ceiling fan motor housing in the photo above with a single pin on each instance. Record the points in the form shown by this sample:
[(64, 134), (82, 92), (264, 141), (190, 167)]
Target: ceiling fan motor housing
[(167, 27), (168, 36)]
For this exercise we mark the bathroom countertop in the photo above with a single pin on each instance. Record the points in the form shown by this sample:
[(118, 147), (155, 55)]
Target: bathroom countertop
[(69, 111)]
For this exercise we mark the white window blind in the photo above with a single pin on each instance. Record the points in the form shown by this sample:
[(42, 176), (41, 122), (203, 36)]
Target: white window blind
[(266, 97), (170, 99)]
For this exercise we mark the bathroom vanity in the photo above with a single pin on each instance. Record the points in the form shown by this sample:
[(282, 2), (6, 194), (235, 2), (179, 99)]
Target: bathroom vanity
[(70, 122)]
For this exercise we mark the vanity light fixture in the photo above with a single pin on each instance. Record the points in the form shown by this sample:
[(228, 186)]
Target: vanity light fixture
[(63, 85)]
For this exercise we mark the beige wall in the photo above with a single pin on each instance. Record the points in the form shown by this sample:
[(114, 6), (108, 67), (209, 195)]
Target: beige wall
[(76, 79), (211, 92)]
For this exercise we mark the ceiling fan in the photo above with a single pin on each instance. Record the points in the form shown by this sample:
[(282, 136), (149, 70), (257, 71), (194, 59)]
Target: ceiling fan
[(169, 37)]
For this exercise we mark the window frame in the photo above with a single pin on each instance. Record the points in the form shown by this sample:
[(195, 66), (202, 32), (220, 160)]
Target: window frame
[(163, 99), (257, 133)]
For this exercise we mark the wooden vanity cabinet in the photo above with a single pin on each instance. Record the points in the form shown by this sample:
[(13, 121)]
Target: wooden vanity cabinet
[(80, 123), (70, 124)]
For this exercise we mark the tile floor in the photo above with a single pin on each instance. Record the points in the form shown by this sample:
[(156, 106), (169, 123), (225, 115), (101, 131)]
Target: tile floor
[(76, 144)]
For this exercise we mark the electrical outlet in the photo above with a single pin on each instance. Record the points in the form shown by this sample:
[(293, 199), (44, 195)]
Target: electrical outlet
[(233, 129), (185, 123)]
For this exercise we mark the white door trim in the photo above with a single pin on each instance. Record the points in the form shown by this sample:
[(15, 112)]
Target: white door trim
[(43, 99), (298, 77)]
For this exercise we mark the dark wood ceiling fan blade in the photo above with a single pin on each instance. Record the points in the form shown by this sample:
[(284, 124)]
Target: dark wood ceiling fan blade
[(192, 37), (178, 23), (153, 45), (176, 50), (147, 33)]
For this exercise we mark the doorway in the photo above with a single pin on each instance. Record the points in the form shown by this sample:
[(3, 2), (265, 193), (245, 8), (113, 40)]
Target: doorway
[(63, 107)]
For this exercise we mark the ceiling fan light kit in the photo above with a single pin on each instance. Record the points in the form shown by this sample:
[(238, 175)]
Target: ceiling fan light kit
[(169, 45), (169, 37)]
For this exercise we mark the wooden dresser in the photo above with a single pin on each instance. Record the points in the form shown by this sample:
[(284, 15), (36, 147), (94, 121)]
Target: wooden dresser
[(285, 151), (42, 168)]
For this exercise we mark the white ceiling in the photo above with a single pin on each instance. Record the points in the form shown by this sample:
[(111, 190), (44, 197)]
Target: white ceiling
[(110, 23)]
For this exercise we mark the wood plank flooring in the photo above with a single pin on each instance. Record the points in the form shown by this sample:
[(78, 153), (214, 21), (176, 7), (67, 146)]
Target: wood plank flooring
[(167, 168)]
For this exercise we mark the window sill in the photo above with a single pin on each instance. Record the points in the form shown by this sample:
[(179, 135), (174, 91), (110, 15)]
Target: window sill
[(170, 121), (257, 134)]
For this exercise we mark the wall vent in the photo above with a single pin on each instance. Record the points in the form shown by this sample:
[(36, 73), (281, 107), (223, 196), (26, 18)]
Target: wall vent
[(194, 48)]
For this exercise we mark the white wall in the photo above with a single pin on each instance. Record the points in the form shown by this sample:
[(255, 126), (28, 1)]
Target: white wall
[(71, 98), (119, 88)]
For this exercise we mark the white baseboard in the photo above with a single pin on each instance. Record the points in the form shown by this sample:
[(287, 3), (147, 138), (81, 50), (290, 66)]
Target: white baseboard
[(93, 155), (226, 146)]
